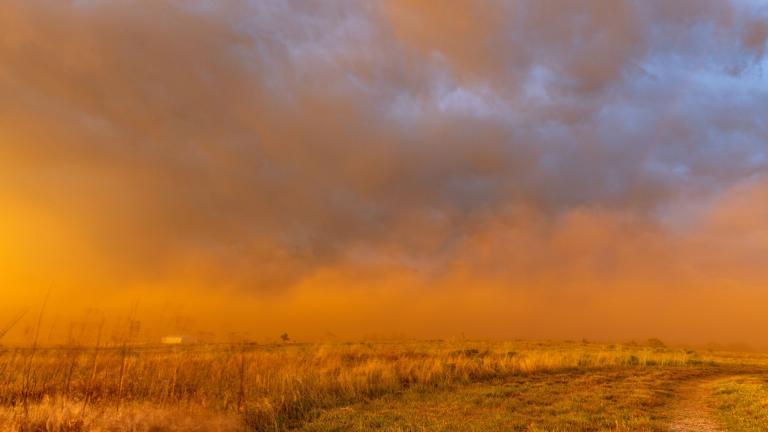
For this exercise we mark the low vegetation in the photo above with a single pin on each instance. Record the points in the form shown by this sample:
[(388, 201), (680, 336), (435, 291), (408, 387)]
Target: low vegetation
[(742, 403), (459, 385)]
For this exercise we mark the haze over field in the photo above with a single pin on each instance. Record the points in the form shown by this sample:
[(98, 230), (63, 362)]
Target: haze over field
[(530, 168)]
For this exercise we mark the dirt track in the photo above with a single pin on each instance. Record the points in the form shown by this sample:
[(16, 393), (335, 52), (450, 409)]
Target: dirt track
[(692, 413)]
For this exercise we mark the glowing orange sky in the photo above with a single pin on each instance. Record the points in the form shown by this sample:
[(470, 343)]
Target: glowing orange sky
[(499, 169)]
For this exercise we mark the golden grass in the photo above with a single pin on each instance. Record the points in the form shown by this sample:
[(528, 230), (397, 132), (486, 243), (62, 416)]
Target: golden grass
[(742, 403), (273, 387)]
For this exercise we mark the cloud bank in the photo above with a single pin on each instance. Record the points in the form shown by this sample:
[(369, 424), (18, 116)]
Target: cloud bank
[(602, 146)]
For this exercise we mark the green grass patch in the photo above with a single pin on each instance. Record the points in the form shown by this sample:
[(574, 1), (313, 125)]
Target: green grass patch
[(606, 400), (742, 403)]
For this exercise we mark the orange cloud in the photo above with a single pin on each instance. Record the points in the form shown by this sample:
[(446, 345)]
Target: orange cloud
[(521, 168)]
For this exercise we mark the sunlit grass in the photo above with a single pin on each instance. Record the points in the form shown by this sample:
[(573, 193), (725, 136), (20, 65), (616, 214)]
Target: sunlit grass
[(742, 403), (327, 386)]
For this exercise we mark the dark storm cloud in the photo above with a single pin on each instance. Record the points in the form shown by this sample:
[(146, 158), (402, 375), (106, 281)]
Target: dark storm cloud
[(266, 139)]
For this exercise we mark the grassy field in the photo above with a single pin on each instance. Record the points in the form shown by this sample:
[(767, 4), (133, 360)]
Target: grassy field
[(387, 386), (742, 402)]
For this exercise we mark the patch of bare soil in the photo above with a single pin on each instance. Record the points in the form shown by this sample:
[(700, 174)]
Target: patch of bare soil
[(692, 413)]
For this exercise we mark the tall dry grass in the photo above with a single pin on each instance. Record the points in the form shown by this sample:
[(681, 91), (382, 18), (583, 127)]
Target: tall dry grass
[(271, 387)]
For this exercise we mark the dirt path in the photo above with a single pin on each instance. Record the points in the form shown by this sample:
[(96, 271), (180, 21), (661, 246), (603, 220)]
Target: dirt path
[(692, 414)]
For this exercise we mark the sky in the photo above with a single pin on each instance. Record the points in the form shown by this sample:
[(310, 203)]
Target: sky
[(422, 168)]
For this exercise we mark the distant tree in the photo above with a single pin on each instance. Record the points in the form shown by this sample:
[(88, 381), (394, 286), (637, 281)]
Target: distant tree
[(656, 343), (284, 337)]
